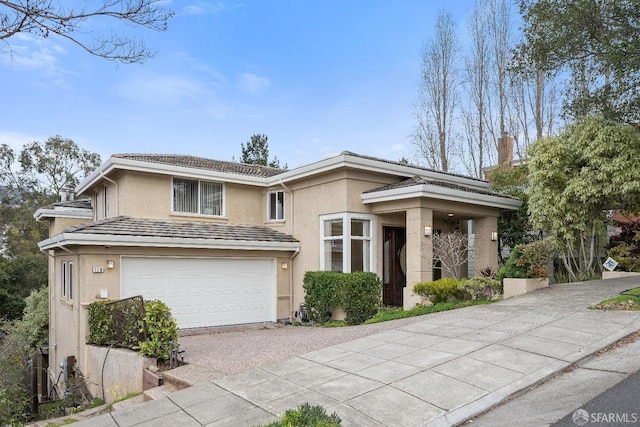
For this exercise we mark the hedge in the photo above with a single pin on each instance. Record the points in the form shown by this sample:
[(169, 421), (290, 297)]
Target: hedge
[(358, 293)]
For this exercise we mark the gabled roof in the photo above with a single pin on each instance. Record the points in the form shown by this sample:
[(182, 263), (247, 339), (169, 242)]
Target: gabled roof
[(128, 231)]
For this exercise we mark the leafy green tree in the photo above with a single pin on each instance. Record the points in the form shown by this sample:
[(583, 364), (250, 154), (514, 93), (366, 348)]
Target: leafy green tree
[(45, 18), (256, 152), (19, 276), (514, 227), (32, 178), (575, 177), (597, 42), (18, 340)]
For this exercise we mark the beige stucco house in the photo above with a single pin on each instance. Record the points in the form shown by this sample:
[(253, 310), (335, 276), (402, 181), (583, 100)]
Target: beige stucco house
[(227, 243)]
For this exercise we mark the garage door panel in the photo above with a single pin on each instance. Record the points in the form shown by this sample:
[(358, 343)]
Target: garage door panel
[(205, 291)]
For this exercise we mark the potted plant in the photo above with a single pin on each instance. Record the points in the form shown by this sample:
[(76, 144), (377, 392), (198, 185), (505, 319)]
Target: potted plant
[(527, 268)]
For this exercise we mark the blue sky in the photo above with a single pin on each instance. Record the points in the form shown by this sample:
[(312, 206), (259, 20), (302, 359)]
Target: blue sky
[(316, 76)]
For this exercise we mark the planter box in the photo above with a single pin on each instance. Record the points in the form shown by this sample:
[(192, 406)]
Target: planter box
[(618, 274), (513, 287)]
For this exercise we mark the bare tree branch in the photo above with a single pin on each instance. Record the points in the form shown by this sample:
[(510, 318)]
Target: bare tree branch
[(451, 249), (43, 18)]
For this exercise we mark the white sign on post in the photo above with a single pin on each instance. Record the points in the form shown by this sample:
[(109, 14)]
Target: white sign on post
[(610, 264)]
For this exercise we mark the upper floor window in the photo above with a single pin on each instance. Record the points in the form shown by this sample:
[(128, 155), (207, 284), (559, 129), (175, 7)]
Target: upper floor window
[(198, 197), (275, 206), (347, 243)]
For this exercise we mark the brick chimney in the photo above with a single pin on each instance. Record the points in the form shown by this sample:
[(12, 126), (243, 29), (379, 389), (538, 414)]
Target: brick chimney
[(505, 151)]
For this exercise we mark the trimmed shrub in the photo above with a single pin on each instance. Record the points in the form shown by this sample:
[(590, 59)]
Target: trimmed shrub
[(358, 293), (480, 288), (441, 290), (322, 294), (149, 328), (361, 296), (307, 416)]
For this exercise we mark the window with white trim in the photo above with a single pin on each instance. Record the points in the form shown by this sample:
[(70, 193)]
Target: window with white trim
[(70, 279), (63, 279), (275, 206), (198, 197), (346, 242)]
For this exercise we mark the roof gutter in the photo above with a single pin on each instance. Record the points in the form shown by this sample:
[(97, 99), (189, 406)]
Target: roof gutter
[(66, 239)]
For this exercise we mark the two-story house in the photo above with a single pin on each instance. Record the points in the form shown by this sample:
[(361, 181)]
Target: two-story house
[(225, 243)]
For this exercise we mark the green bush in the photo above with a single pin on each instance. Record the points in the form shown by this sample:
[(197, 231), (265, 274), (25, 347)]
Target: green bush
[(361, 296), (162, 330), (307, 416), (150, 329), (14, 348), (358, 293), (480, 288), (625, 255), (322, 294), (441, 290), (529, 261), (118, 323)]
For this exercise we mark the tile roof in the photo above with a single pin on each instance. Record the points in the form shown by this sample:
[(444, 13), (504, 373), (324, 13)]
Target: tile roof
[(416, 180), (77, 204), (203, 163), (411, 165), (128, 226)]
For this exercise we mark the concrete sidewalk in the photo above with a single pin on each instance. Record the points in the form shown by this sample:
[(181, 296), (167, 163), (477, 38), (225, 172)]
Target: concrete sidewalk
[(440, 371)]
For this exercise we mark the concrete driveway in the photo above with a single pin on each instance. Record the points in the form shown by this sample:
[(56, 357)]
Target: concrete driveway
[(437, 370)]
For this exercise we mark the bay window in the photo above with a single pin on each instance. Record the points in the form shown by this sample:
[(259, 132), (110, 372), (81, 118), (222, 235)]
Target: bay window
[(346, 241)]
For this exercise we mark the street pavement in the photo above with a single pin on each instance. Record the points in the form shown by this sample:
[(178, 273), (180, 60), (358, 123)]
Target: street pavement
[(605, 386), (440, 371)]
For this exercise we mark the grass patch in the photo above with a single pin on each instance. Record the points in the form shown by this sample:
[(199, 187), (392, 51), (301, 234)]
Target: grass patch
[(62, 423), (393, 313), (627, 300)]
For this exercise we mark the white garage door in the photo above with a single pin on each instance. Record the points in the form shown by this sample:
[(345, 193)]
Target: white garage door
[(205, 291)]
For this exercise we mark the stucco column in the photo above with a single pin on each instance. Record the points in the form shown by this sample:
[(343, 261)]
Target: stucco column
[(419, 252), (485, 250)]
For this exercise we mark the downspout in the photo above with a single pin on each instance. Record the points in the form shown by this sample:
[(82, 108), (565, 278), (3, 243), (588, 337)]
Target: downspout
[(295, 254), (291, 309)]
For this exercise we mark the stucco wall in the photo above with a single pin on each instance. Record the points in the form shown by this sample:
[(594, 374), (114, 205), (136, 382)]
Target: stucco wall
[(146, 195), (121, 369)]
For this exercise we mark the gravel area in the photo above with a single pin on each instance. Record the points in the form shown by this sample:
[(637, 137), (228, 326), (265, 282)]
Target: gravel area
[(234, 349)]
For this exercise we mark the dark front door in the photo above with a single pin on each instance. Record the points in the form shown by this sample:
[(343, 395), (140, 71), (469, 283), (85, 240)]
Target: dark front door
[(394, 261)]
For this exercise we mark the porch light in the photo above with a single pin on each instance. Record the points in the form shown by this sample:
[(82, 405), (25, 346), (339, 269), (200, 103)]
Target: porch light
[(428, 230), (494, 236), (110, 264), (284, 266)]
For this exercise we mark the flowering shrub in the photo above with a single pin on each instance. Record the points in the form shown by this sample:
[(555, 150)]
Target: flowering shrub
[(530, 260)]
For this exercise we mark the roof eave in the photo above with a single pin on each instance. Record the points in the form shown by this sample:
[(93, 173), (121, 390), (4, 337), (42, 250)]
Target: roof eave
[(76, 239), (75, 213), (356, 162), (441, 193), (160, 168)]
